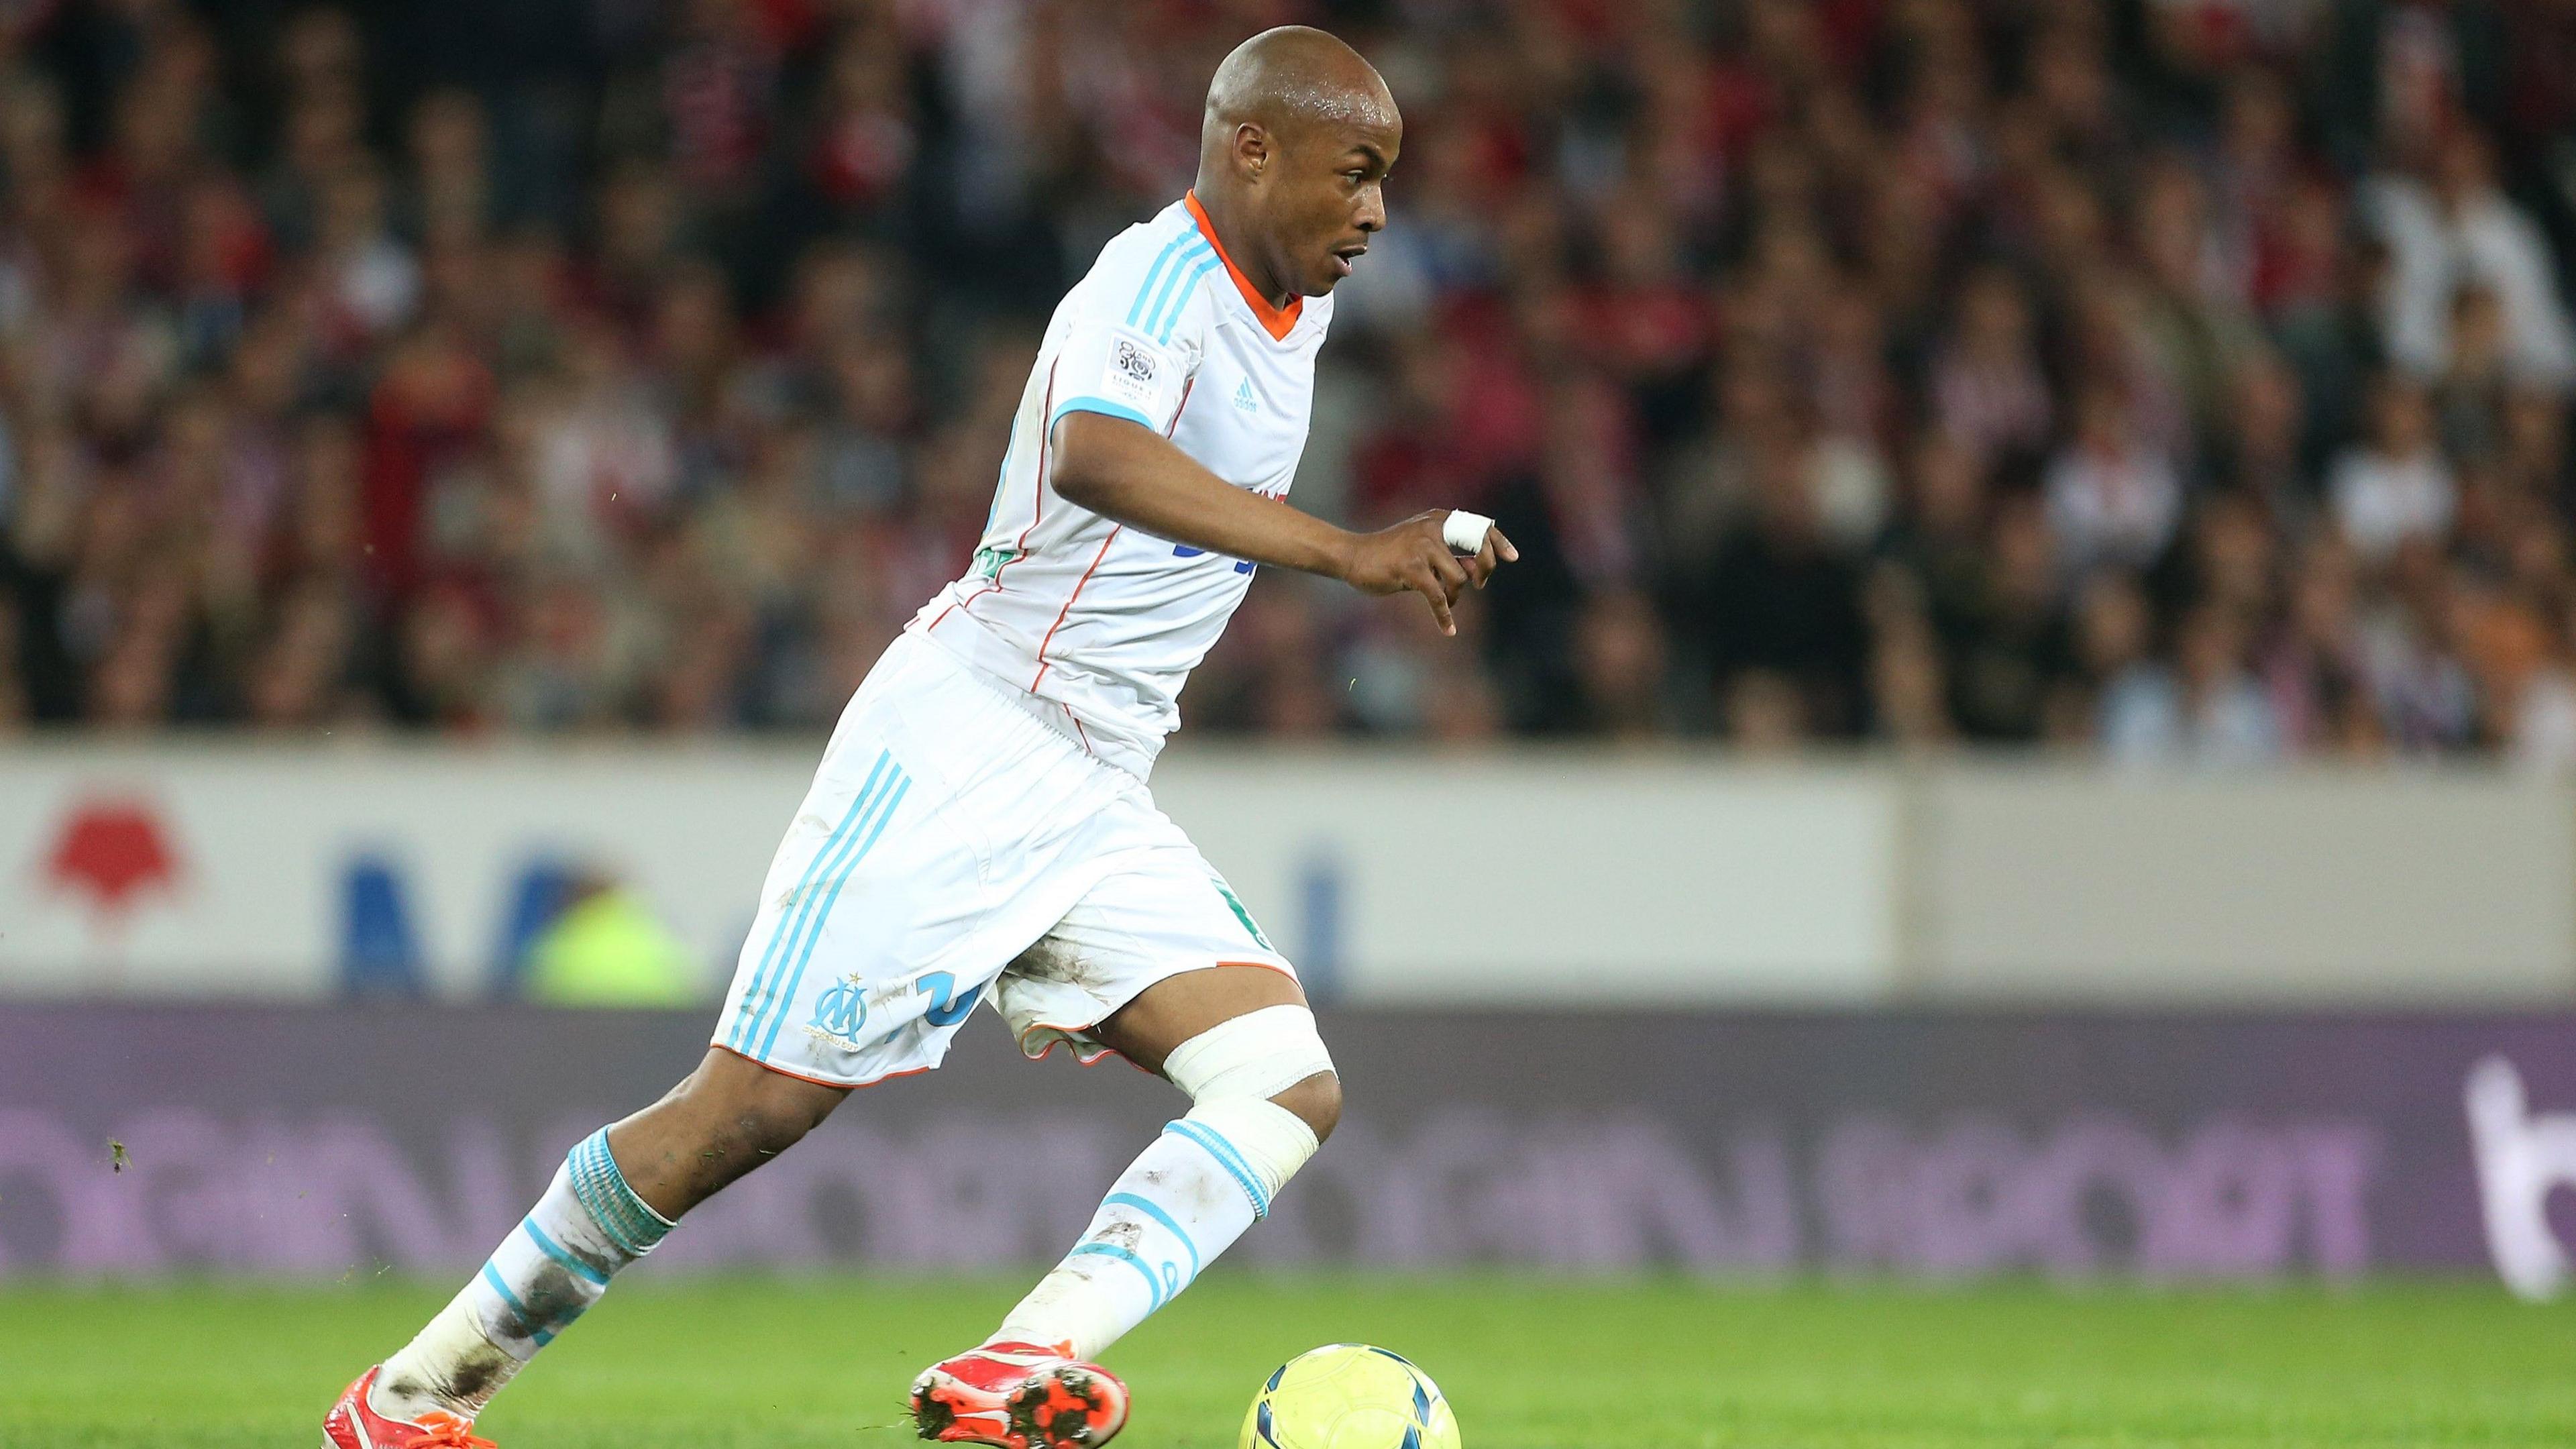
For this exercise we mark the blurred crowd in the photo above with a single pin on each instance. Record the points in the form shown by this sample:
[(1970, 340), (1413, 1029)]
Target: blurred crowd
[(2185, 379)]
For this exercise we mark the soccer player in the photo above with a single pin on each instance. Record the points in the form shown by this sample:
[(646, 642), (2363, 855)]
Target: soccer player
[(980, 827)]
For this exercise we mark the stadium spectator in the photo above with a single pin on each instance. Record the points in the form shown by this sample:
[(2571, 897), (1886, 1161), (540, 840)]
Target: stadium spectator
[(2186, 372), (2394, 488)]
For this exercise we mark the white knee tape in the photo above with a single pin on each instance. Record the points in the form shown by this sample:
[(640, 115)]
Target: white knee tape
[(1231, 1072), (1255, 1056)]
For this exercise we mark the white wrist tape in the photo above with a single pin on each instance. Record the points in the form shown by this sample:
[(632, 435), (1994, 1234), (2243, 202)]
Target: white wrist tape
[(1255, 1056), (1465, 532)]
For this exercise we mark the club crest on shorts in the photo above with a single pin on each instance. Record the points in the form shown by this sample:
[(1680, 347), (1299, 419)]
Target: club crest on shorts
[(841, 1012)]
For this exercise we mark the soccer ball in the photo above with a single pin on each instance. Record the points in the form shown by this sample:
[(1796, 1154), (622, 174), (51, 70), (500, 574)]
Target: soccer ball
[(1349, 1396)]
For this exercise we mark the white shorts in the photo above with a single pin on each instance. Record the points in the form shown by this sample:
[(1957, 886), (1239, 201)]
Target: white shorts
[(957, 848)]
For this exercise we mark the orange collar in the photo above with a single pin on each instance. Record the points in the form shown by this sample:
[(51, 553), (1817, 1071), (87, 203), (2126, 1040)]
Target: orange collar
[(1274, 320)]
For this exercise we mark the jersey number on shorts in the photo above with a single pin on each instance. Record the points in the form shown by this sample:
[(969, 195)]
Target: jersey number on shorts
[(943, 1011)]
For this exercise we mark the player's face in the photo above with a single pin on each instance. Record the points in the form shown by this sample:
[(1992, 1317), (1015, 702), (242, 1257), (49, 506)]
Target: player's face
[(1330, 198)]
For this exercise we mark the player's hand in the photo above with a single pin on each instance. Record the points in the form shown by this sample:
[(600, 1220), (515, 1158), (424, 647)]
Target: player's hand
[(1412, 555), (1493, 554)]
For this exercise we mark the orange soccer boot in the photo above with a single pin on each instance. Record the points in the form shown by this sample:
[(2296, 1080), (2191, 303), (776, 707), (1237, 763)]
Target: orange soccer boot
[(1019, 1396)]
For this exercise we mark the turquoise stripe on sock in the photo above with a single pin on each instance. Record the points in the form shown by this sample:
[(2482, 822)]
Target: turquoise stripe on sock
[(884, 815), (1155, 1211), (560, 1254), (598, 1197), (1177, 298), (492, 1277), (752, 1001), (1229, 1159), (1153, 1284), (1176, 243), (602, 1190), (643, 1228)]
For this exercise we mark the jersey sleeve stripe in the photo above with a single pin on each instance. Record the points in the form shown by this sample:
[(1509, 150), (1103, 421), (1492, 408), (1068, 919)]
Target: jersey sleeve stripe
[(1181, 297), (1196, 253), (1178, 242), (1100, 405)]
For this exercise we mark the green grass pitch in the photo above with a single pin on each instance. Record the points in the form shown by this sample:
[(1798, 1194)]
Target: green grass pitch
[(730, 1364)]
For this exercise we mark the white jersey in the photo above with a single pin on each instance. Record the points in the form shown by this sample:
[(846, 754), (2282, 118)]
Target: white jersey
[(1101, 623)]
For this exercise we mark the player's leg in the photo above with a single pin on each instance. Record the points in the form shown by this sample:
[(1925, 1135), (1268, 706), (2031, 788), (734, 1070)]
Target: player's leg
[(1158, 961), (860, 965), (621, 1190), (1240, 1041)]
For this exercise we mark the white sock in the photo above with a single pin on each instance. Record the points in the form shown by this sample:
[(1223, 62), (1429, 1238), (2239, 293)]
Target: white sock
[(1185, 1200), (552, 1266)]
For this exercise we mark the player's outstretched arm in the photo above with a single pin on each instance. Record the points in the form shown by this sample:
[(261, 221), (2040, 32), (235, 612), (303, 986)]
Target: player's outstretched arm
[(1120, 470)]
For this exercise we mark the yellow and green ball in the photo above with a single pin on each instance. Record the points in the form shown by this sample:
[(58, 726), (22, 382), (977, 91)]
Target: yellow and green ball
[(1349, 1396)]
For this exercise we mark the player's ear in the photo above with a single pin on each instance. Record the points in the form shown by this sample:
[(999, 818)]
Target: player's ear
[(1251, 150)]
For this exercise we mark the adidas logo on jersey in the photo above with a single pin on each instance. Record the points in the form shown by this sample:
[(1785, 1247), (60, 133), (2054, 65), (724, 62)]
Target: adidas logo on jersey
[(1243, 397)]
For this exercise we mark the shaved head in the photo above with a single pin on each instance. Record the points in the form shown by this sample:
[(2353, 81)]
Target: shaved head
[(1290, 76), (1294, 149)]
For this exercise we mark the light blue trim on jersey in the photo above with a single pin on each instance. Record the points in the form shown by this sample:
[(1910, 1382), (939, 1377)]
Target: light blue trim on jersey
[(754, 1004), (1194, 250), (1153, 1285), (1176, 243), (1102, 406), (537, 1332), (854, 851), (1228, 1158), (1177, 282), (1180, 296), (561, 1254), (1155, 1211)]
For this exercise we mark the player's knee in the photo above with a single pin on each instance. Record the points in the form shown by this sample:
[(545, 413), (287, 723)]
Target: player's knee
[(1262, 1055), (1317, 1101), (1263, 1085)]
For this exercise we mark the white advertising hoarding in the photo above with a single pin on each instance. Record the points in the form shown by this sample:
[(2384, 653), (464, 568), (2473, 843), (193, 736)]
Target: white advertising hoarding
[(1539, 877), (255, 871)]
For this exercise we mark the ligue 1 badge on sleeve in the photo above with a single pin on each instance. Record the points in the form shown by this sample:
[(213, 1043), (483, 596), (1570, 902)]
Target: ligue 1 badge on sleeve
[(1132, 369)]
